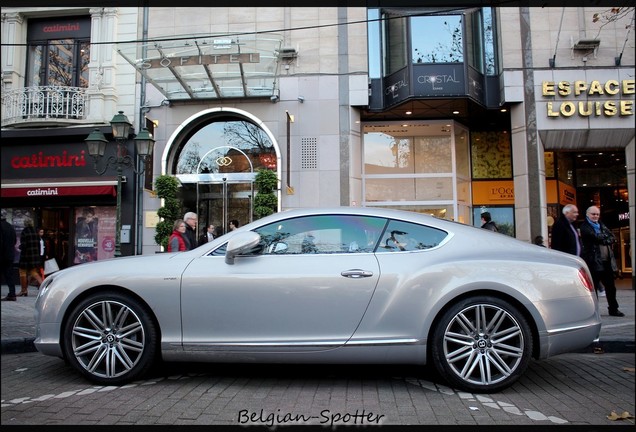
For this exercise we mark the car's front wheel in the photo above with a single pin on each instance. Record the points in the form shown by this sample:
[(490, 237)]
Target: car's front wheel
[(110, 338), (481, 344)]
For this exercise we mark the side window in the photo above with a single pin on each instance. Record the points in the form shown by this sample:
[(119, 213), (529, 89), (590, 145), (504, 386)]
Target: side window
[(322, 235), (405, 236)]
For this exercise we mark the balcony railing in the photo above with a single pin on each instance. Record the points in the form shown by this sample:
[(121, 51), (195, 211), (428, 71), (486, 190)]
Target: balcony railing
[(43, 105)]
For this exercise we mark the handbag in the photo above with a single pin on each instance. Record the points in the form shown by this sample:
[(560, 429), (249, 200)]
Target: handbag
[(50, 266)]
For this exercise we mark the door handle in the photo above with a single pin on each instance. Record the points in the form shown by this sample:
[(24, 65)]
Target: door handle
[(356, 273)]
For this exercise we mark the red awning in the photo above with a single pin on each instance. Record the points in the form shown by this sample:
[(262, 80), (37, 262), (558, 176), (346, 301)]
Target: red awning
[(57, 188)]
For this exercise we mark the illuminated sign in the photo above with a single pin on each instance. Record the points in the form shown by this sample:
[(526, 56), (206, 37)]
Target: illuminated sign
[(493, 192)]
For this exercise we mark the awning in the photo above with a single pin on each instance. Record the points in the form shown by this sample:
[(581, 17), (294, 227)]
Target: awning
[(210, 67), (57, 188)]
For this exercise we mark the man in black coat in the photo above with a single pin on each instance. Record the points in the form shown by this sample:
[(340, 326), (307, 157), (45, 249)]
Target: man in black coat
[(488, 223), (598, 254), (565, 237), (190, 236), (8, 255)]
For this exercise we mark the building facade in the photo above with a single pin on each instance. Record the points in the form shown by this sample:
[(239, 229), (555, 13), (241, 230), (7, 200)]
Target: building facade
[(446, 111)]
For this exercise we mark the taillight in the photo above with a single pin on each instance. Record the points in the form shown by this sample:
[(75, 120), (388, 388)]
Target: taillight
[(586, 280)]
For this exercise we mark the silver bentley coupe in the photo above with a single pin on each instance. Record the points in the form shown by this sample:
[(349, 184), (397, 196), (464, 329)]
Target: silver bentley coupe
[(336, 285)]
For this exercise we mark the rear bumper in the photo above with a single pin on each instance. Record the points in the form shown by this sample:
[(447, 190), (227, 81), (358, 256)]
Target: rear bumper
[(570, 339)]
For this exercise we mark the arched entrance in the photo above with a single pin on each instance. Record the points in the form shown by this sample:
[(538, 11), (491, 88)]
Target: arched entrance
[(216, 155)]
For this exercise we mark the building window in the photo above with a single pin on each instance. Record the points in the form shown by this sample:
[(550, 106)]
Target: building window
[(489, 41), (226, 147), (59, 52), (474, 42), (394, 42), (437, 39)]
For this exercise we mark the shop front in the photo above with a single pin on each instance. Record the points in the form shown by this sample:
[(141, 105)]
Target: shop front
[(51, 181), (585, 122)]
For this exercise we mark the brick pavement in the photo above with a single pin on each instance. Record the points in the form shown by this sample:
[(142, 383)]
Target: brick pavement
[(18, 322)]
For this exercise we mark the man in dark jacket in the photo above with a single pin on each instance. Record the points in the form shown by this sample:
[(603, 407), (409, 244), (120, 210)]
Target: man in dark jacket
[(8, 255), (565, 237), (598, 254), (190, 236), (488, 223)]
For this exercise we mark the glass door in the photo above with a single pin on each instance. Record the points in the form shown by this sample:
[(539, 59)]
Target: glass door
[(220, 202)]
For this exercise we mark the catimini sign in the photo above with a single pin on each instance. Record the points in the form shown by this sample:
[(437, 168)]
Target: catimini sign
[(43, 160), (58, 191), (589, 91)]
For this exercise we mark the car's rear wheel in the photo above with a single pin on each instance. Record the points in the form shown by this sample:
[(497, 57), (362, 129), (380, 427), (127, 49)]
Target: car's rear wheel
[(110, 338), (481, 344)]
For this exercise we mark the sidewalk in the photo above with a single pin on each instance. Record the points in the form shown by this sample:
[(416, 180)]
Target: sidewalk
[(617, 334)]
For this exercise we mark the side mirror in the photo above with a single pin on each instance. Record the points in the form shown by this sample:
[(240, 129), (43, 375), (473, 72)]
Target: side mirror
[(240, 244)]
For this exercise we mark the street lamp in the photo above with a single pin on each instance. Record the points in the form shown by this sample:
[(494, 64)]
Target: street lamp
[(96, 142)]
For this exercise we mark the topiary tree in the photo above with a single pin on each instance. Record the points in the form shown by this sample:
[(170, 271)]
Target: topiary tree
[(265, 201), (166, 187)]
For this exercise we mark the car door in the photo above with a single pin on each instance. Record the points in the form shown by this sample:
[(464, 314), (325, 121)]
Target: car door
[(307, 288)]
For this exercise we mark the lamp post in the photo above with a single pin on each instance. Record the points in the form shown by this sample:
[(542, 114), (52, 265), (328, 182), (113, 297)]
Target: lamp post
[(96, 142)]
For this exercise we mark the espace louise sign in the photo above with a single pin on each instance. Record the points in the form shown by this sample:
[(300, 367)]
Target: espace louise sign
[(590, 99)]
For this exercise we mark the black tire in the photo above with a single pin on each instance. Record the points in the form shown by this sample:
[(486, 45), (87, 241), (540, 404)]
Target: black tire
[(110, 338), (481, 344)]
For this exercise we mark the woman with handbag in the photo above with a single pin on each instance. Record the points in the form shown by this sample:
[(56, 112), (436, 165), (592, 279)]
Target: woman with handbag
[(30, 259)]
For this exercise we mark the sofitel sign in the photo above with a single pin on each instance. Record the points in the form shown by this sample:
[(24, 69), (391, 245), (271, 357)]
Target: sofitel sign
[(588, 108), (204, 59)]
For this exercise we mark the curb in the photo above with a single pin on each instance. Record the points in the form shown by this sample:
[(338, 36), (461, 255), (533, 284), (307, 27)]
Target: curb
[(17, 346), (610, 346), (25, 345)]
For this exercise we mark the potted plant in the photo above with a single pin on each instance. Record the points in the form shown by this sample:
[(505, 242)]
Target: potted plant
[(265, 201), (166, 188)]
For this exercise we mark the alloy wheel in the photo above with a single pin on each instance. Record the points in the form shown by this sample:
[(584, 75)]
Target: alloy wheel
[(483, 344), (108, 339)]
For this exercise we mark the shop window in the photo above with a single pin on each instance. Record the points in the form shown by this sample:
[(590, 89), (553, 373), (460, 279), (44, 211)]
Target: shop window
[(548, 158), (503, 216), (491, 155)]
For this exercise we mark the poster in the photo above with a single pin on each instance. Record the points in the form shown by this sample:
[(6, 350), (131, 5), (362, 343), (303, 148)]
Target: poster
[(94, 234)]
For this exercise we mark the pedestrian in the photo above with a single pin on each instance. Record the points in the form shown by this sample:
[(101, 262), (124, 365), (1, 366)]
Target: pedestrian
[(565, 237), (538, 240), (190, 236), (598, 253), (234, 224), (218, 232), (176, 242), (29, 264), (488, 223), (42, 250), (207, 235), (9, 240)]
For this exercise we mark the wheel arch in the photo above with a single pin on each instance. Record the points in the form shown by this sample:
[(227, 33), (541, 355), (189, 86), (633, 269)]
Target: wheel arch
[(536, 348), (101, 289)]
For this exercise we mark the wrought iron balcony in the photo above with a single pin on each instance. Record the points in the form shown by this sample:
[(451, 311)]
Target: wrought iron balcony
[(44, 105)]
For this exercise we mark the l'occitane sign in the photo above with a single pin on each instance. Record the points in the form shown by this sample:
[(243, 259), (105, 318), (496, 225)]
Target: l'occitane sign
[(588, 108)]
